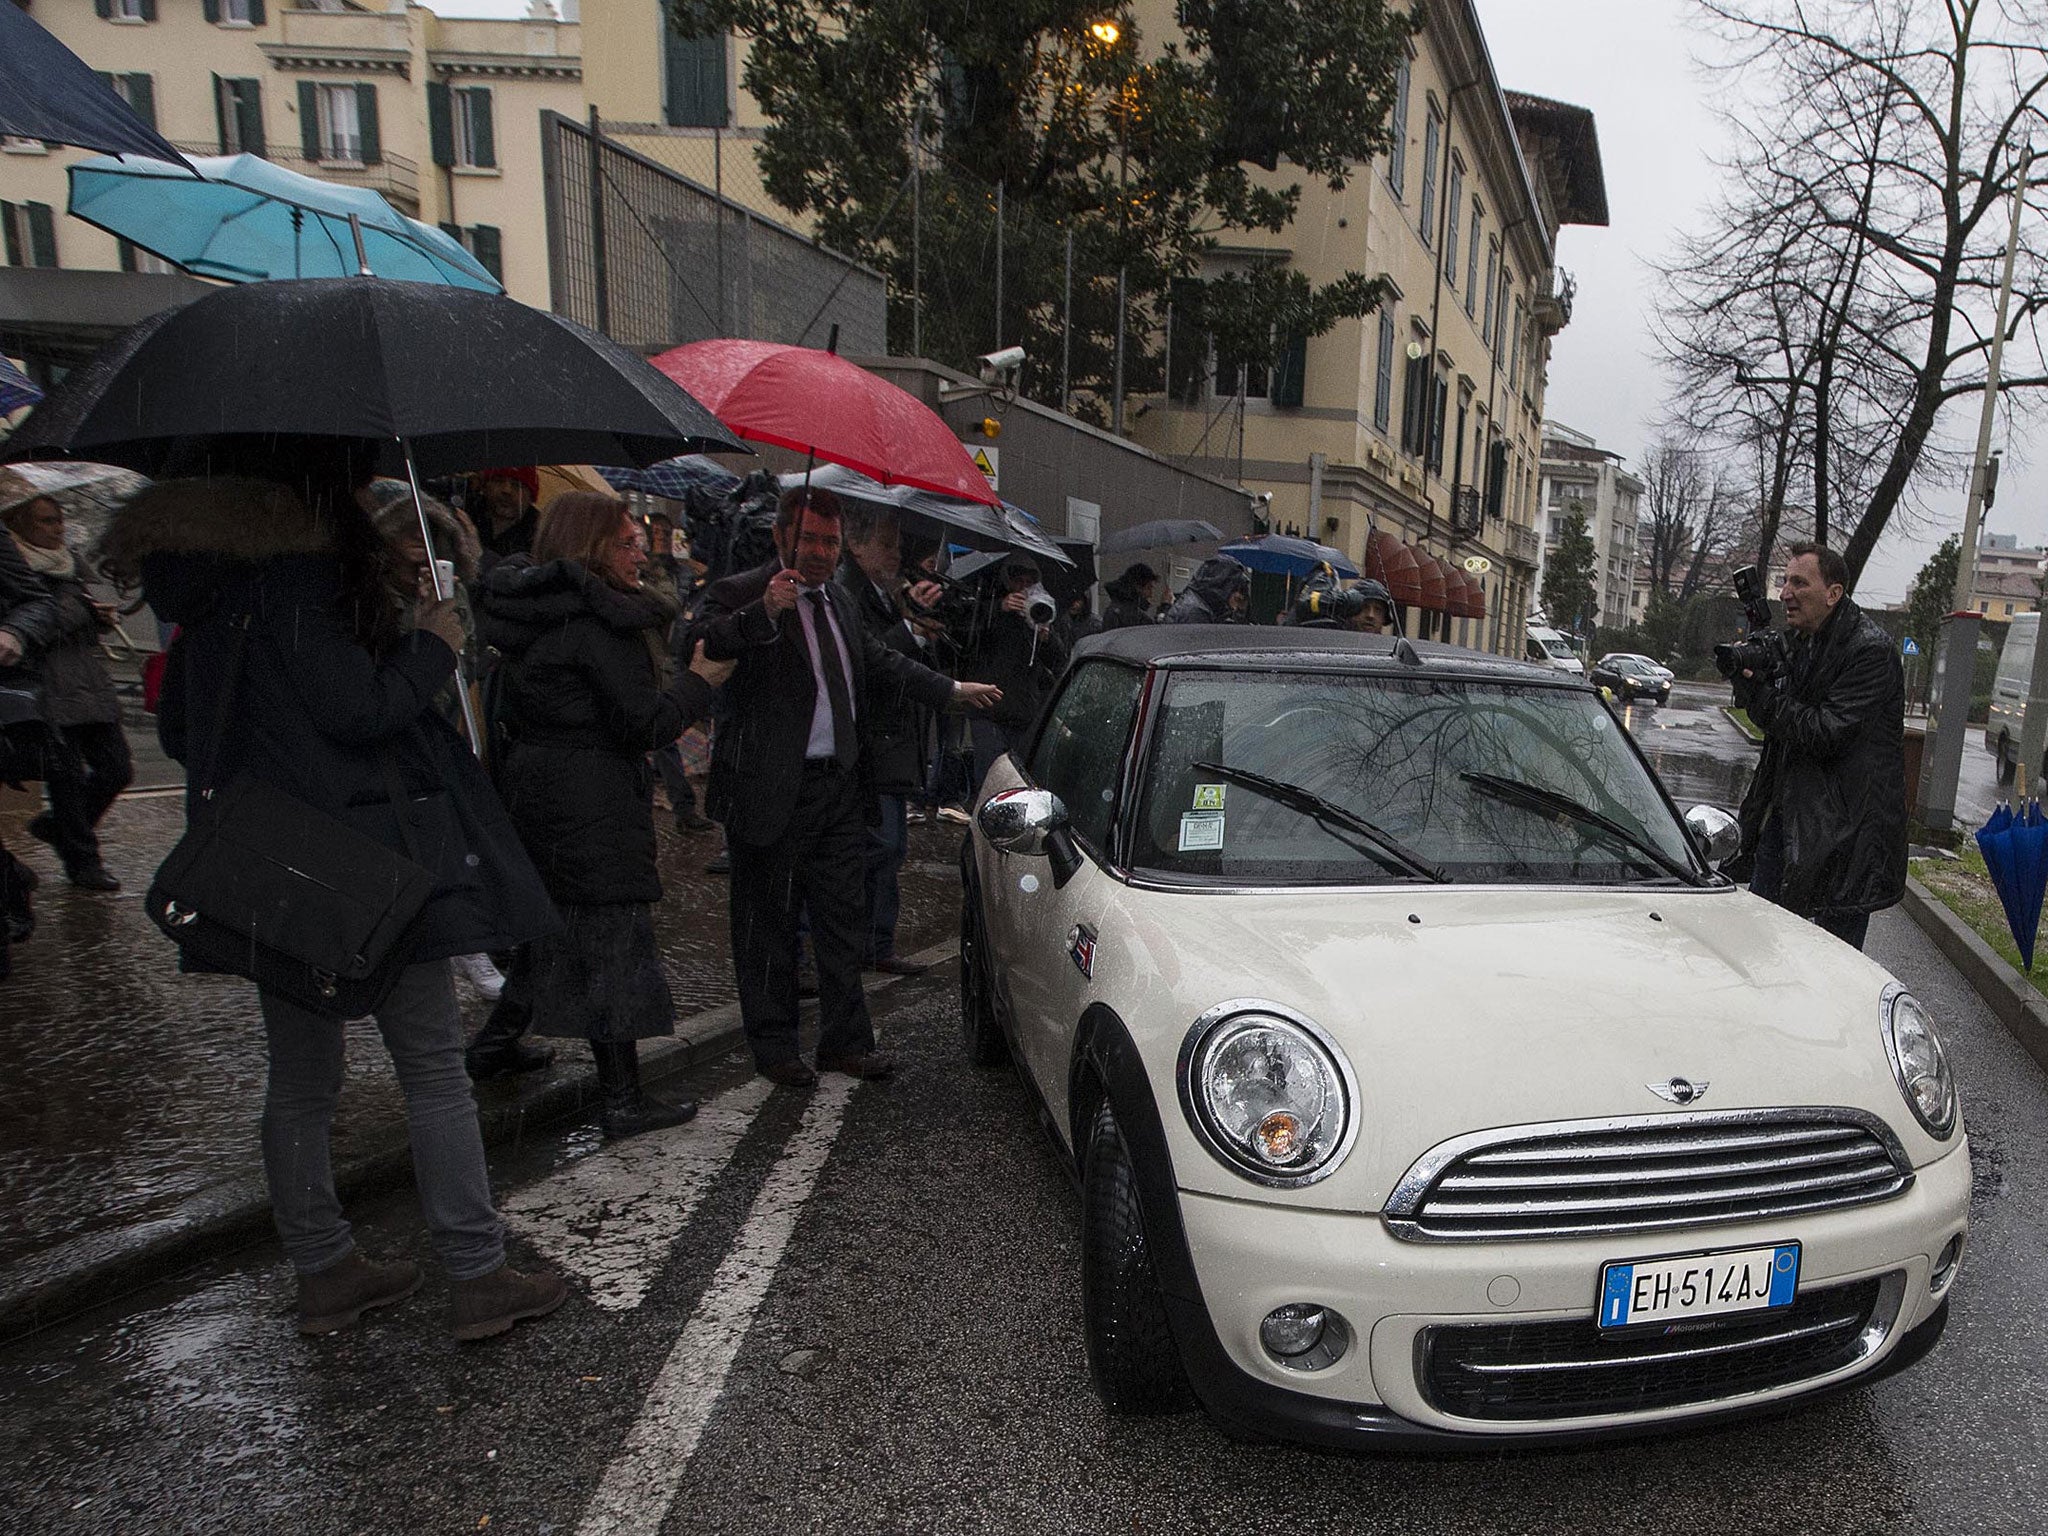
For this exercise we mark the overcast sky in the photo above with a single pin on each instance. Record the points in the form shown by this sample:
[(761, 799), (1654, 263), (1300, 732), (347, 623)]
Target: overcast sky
[(1633, 63)]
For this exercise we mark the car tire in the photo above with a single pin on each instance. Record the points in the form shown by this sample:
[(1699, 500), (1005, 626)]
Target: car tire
[(980, 1033), (1132, 1357)]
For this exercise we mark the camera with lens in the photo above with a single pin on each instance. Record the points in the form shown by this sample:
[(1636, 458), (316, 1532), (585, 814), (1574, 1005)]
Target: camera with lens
[(1762, 651), (1039, 607)]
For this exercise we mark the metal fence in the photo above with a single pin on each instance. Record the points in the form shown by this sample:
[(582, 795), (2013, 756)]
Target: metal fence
[(654, 259)]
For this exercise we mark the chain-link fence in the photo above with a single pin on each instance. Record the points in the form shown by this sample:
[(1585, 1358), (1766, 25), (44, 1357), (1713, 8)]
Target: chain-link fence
[(653, 258)]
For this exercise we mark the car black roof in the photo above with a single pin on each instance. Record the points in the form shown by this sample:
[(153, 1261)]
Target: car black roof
[(1266, 646)]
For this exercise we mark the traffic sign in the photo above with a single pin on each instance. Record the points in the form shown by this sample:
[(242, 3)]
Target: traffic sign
[(1909, 648), (989, 462)]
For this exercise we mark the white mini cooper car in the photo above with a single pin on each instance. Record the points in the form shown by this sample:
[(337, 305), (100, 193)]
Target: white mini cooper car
[(1423, 1078)]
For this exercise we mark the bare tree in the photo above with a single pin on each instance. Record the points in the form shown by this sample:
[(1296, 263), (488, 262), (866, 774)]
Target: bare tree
[(1843, 298)]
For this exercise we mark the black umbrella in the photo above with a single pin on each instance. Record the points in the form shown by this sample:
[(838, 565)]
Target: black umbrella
[(1160, 534), (446, 379), (49, 92)]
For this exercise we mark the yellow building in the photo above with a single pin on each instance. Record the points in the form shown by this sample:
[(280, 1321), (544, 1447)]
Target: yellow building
[(439, 115), (1420, 423)]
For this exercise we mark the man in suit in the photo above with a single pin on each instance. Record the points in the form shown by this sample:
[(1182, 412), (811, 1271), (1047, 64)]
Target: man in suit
[(791, 778)]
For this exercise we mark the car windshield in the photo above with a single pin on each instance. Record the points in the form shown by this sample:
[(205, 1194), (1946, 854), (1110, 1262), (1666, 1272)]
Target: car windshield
[(1373, 779), (1558, 648)]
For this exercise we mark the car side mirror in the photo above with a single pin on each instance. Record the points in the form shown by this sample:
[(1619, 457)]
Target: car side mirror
[(1022, 820), (1717, 834)]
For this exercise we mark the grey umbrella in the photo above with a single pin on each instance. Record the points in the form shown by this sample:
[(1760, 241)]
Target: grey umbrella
[(1160, 533)]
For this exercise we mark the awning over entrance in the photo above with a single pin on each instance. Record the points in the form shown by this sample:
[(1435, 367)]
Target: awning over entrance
[(1435, 582), (1392, 563)]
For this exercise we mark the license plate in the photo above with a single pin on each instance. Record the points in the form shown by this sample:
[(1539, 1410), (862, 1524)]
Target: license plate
[(1639, 1291)]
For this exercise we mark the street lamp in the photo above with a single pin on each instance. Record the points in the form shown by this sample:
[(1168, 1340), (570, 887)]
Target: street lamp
[(1105, 33)]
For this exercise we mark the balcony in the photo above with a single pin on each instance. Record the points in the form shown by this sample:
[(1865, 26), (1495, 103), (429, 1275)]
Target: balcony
[(394, 176), (1552, 311), (1521, 544)]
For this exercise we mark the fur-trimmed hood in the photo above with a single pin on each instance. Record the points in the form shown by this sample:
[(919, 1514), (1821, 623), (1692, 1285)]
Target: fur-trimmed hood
[(520, 601), (227, 519)]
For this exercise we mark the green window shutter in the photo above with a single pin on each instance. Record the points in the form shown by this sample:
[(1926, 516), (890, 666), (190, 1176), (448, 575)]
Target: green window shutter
[(695, 88), (488, 249), (142, 97), (149, 10), (1290, 376), (1383, 380), (309, 121), (256, 16), (249, 115), (11, 234), (483, 140), (366, 121), (454, 232), (220, 112), (104, 9), (440, 123), (211, 9), (42, 235)]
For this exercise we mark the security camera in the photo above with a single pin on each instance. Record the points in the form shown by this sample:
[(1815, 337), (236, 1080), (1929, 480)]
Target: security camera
[(995, 365)]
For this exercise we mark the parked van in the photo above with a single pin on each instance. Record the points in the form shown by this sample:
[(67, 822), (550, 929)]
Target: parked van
[(2009, 695), (1551, 648)]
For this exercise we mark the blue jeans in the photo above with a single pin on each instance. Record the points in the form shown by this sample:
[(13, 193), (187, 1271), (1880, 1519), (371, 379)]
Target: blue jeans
[(888, 842), (423, 1032), (1767, 880)]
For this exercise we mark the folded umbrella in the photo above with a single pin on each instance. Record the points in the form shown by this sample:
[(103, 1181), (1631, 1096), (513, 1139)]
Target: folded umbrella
[(2015, 849), (1280, 554), (1160, 533), (818, 403), (421, 369), (242, 219), (49, 92)]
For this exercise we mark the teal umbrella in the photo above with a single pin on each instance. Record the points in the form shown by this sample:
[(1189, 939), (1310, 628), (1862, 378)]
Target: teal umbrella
[(245, 220)]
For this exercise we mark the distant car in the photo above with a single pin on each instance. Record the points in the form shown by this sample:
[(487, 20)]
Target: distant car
[(1655, 666), (1422, 1079), (1630, 678), (1552, 648)]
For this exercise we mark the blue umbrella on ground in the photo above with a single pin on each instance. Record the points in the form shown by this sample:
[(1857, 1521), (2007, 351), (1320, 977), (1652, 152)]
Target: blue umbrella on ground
[(16, 389), (49, 92), (245, 220), (1280, 554), (2015, 849)]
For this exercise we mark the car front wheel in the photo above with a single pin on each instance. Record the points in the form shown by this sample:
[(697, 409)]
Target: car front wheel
[(1131, 1354), (979, 1032)]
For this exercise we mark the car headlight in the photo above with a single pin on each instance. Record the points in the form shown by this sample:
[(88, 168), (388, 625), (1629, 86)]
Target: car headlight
[(1268, 1092), (1918, 1061)]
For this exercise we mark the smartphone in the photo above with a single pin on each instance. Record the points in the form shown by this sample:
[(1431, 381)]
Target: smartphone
[(444, 578)]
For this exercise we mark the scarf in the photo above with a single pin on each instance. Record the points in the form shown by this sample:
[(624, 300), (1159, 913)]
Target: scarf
[(60, 562)]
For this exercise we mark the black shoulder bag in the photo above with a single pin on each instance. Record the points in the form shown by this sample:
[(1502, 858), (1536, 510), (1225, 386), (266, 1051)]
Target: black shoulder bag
[(265, 886)]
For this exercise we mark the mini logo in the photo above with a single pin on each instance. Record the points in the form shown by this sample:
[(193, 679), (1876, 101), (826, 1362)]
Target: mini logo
[(1081, 946), (1679, 1090)]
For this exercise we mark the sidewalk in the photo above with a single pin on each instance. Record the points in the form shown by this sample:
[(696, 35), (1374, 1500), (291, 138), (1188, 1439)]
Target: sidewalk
[(130, 1096)]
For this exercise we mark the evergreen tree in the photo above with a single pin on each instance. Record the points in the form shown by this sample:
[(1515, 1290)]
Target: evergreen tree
[(1570, 590), (1933, 591)]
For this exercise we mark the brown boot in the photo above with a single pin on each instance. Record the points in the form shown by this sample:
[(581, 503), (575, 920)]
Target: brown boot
[(491, 1304), (339, 1294)]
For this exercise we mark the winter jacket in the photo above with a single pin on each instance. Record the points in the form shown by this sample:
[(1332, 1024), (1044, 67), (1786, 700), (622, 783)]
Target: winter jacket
[(77, 688), (28, 611), (580, 705), (1126, 607), (1207, 597), (1020, 661), (314, 712), (1833, 770), (895, 725)]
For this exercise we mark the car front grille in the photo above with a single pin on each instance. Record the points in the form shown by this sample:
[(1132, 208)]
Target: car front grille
[(1567, 1370), (1644, 1173)]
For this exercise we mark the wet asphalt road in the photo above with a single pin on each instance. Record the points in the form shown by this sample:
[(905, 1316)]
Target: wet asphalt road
[(858, 1311)]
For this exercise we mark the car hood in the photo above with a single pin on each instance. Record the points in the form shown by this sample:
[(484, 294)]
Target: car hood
[(1464, 1011)]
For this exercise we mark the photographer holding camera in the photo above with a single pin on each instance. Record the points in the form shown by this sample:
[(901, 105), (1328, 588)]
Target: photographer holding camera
[(1824, 822), (1019, 653)]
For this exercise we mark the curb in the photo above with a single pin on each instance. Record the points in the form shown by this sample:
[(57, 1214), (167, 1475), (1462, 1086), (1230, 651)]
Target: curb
[(2022, 1010), (103, 1266)]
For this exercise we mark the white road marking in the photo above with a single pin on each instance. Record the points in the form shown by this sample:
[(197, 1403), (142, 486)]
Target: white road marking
[(611, 1217), (634, 1496)]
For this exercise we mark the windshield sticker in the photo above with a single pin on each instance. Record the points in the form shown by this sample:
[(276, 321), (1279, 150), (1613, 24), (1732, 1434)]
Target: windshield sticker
[(1209, 797), (1201, 831)]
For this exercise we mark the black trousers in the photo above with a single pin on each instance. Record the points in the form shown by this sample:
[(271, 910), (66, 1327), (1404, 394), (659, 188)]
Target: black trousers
[(818, 865), (90, 766)]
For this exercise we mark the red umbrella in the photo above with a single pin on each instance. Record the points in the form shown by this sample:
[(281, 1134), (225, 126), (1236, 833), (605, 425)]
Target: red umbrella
[(817, 403)]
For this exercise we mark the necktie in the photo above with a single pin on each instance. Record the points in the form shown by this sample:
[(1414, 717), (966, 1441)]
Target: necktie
[(845, 745)]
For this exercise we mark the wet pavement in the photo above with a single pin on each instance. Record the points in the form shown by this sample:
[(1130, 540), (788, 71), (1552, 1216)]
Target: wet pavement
[(858, 1310), (132, 1092)]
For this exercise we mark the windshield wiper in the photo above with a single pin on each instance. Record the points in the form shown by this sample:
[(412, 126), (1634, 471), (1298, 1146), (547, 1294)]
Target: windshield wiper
[(1381, 845), (1536, 797)]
